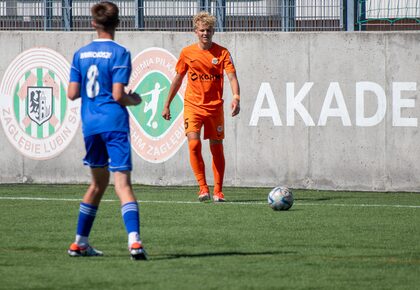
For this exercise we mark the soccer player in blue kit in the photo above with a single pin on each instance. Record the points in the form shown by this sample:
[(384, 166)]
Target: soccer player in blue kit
[(99, 73)]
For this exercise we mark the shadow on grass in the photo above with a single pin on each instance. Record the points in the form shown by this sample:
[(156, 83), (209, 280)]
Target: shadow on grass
[(326, 198), (245, 200), (164, 257), (221, 254), (264, 201), (320, 198), (317, 198)]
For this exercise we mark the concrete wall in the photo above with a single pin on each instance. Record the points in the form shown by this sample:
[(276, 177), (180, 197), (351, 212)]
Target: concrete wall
[(319, 110)]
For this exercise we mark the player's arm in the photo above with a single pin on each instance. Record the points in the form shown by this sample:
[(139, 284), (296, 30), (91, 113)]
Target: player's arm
[(73, 91), (123, 98), (234, 84), (176, 84)]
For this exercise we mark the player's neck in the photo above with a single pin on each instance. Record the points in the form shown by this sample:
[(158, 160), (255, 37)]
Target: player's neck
[(205, 46), (105, 34)]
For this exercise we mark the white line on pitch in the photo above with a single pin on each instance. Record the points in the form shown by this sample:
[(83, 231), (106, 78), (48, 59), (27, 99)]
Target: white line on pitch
[(363, 205), (225, 203)]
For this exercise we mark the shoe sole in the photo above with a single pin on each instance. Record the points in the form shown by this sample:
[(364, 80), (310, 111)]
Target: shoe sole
[(139, 256), (218, 199), (202, 198), (80, 254), (74, 254)]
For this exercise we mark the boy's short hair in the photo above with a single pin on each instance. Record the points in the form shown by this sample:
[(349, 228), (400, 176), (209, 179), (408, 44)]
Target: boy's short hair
[(105, 14), (205, 18)]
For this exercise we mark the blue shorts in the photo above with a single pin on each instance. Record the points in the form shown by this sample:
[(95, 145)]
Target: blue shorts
[(111, 149)]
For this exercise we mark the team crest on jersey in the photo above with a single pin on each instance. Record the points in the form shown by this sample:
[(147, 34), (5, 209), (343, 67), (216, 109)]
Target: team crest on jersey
[(35, 114), (153, 138)]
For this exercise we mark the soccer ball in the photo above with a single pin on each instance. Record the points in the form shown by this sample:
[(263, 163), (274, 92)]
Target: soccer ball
[(280, 198)]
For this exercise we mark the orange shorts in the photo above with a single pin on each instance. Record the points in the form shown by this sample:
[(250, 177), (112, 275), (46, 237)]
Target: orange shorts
[(214, 123)]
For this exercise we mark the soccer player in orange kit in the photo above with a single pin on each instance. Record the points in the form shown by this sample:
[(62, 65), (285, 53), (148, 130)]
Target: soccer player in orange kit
[(205, 62)]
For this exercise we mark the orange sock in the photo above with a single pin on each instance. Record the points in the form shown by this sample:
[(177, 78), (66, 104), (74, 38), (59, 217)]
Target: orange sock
[(197, 162), (218, 165)]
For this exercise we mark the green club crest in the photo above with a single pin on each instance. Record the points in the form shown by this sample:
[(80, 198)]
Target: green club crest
[(153, 138), (38, 120)]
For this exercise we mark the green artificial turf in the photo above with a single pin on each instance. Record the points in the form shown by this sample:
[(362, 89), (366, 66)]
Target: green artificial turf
[(327, 240)]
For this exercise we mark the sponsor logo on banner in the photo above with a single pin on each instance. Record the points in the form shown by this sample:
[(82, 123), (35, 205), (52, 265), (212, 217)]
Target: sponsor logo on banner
[(36, 116), (153, 138)]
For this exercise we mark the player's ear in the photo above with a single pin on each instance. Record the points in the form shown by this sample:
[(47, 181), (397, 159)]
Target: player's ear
[(93, 23)]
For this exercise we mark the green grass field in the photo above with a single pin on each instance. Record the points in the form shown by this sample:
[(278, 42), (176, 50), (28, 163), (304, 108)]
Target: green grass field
[(327, 240)]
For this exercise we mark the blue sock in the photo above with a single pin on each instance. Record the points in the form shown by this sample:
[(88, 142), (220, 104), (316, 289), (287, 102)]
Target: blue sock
[(130, 214), (87, 214)]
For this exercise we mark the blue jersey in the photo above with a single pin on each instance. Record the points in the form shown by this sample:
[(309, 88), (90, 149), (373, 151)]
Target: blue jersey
[(97, 66)]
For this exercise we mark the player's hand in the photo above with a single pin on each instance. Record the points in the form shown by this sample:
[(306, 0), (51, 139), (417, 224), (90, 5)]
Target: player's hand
[(236, 107), (166, 113), (134, 97)]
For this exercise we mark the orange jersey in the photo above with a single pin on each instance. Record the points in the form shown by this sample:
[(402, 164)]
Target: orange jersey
[(205, 75)]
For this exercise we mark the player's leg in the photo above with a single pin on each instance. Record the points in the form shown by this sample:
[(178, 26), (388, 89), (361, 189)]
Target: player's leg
[(97, 158), (214, 130), (197, 164), (218, 166), (119, 150), (154, 108), (130, 212), (193, 123)]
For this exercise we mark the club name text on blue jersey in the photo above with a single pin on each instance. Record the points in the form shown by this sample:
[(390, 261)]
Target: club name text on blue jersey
[(95, 54)]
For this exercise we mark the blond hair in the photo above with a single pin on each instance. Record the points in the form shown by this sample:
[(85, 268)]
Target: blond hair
[(205, 18)]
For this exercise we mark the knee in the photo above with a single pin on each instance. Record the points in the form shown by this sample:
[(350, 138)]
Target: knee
[(122, 188), (194, 145), (216, 149), (98, 188)]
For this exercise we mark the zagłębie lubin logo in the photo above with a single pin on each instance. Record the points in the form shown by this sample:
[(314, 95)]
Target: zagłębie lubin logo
[(153, 138), (34, 112)]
